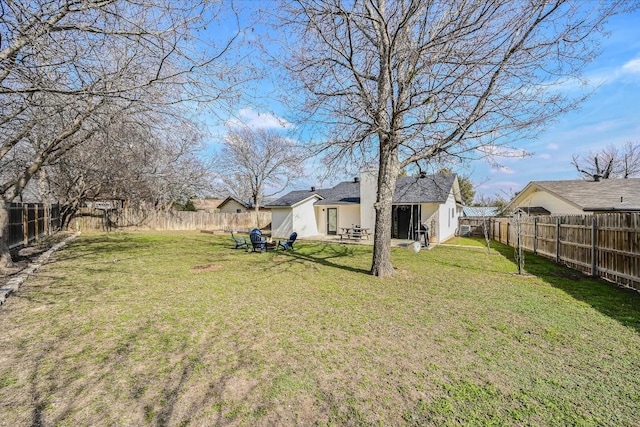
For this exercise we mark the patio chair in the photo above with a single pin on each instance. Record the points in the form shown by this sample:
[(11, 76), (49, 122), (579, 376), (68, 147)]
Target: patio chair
[(257, 241), (288, 245), (241, 242)]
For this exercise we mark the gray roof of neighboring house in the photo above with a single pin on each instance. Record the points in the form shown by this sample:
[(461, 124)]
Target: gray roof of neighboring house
[(231, 198), (533, 210), (430, 189), (614, 194), (480, 211)]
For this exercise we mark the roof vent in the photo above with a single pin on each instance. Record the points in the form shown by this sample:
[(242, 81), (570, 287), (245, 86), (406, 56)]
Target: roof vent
[(313, 188), (356, 179)]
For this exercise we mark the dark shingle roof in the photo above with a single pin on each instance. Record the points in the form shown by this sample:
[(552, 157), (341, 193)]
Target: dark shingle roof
[(292, 198), (430, 189), (229, 199), (603, 194), (345, 193), (534, 210), (412, 189)]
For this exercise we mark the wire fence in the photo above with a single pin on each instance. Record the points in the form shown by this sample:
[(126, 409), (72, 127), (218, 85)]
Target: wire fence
[(30, 221)]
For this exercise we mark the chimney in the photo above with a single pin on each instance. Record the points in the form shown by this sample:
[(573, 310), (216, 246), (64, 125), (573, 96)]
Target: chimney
[(596, 178), (313, 188), (356, 179)]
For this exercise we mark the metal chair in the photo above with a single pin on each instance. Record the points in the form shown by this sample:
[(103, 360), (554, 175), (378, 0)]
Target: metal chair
[(288, 245), (241, 242)]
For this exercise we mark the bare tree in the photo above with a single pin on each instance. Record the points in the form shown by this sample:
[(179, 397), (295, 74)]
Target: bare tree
[(404, 82), (610, 162), (70, 67), (129, 160), (597, 166), (255, 164), (486, 218), (629, 161), (518, 249)]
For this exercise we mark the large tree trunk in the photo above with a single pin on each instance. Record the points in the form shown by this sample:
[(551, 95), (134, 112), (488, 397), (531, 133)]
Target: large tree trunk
[(5, 255), (387, 176)]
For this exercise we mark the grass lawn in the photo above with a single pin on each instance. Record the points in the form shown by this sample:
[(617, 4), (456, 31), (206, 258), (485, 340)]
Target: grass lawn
[(178, 329)]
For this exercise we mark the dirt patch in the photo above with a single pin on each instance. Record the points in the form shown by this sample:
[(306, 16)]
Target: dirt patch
[(203, 268), (523, 275)]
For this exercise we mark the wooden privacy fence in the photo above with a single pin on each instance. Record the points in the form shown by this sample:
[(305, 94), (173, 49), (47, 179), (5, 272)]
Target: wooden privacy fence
[(89, 219), (30, 221), (604, 245)]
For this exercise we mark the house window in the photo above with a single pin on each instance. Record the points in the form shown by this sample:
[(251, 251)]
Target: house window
[(239, 210)]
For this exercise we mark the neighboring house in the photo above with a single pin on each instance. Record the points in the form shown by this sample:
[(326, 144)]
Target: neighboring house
[(480, 211), (578, 197), (233, 205), (433, 200)]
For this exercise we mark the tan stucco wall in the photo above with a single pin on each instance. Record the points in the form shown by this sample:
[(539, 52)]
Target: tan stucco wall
[(281, 222), (348, 216), (232, 207)]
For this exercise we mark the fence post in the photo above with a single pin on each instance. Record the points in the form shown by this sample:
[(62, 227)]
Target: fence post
[(25, 224), (36, 226), (594, 246), (508, 224), (535, 235), (558, 239)]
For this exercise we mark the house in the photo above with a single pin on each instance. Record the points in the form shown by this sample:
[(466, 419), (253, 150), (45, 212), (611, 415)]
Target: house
[(480, 211), (433, 200), (233, 205), (578, 197)]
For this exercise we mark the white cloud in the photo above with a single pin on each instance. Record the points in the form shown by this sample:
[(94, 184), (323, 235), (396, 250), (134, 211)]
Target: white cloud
[(545, 156), (553, 146), (503, 169), (500, 151), (257, 120), (599, 77), (632, 67)]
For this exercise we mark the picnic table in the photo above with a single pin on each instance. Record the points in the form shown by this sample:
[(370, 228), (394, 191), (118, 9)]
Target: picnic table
[(354, 233)]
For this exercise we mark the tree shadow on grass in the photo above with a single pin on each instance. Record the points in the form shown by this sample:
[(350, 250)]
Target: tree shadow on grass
[(170, 397), (326, 255), (620, 304)]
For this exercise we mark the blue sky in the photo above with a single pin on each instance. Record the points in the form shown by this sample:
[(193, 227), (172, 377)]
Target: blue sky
[(611, 116)]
